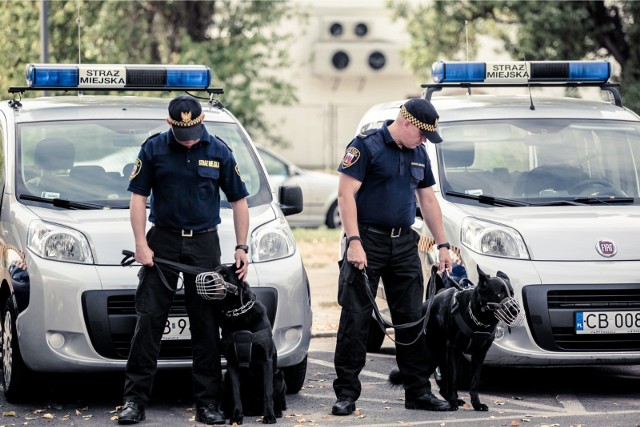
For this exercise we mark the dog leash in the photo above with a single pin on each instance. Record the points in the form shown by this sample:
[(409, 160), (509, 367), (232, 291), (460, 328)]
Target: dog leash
[(174, 267), (384, 324)]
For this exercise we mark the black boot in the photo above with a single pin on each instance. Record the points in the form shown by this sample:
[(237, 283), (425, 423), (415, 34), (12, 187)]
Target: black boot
[(131, 413), (210, 414)]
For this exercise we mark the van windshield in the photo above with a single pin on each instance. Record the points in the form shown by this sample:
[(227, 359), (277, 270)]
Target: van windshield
[(541, 160), (91, 160)]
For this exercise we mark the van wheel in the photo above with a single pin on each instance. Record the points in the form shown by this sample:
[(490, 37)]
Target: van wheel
[(14, 372), (376, 336), (333, 216), (294, 376)]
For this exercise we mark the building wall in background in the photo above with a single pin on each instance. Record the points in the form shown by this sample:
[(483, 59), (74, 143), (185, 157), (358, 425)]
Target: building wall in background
[(334, 95)]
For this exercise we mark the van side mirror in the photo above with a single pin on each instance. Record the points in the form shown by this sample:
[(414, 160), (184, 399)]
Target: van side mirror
[(290, 199)]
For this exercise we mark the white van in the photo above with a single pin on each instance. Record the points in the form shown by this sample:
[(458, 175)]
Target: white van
[(67, 303), (546, 190)]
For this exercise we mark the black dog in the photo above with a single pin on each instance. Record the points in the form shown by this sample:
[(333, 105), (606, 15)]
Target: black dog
[(253, 383), (462, 323)]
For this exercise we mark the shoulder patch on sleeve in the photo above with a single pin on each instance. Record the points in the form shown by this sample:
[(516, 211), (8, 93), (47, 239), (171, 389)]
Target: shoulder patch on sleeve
[(351, 156), (137, 166)]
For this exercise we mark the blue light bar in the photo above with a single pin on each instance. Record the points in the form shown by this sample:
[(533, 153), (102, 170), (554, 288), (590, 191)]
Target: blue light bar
[(455, 72), (118, 76), (521, 71), (52, 75)]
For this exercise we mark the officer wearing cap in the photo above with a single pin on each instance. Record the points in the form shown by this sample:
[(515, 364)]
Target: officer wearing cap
[(182, 171), (381, 174)]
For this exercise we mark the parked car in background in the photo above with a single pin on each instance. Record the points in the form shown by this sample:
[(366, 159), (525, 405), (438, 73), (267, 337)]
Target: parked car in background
[(547, 190), (319, 190)]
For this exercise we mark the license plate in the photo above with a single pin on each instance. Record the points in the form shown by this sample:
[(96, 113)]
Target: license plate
[(177, 328), (608, 322)]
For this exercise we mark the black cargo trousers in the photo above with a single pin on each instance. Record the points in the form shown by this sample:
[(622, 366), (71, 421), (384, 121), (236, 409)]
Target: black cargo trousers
[(396, 261), (153, 301)]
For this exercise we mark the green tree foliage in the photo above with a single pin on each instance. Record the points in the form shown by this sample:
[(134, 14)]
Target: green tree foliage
[(535, 30), (239, 40)]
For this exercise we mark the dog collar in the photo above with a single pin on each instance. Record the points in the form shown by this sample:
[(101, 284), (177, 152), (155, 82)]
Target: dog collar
[(240, 310), (476, 321)]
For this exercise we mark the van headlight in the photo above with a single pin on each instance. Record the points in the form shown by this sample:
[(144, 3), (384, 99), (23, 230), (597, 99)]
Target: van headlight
[(489, 238), (273, 240), (58, 243)]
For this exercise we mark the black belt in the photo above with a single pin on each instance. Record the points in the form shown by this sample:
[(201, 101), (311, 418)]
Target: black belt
[(187, 233), (391, 232)]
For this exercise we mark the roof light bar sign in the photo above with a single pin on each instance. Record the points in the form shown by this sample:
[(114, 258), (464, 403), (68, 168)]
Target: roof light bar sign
[(521, 71), (118, 76)]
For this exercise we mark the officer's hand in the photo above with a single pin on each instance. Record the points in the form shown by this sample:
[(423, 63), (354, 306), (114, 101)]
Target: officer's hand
[(356, 255), (144, 255), (445, 260), (242, 263)]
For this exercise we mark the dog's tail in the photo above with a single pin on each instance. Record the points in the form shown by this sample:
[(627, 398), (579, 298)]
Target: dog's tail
[(395, 377)]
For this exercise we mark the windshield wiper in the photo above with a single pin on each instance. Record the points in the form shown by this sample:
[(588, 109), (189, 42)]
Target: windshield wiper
[(63, 203), (577, 201), (603, 200), (488, 200)]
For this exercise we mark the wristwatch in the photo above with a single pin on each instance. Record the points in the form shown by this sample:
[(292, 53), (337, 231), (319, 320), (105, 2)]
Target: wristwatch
[(245, 248), (444, 245)]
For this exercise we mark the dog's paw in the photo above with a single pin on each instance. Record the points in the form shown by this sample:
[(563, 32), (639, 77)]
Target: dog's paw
[(269, 419), (453, 405), (278, 414), (480, 407), (460, 402), (236, 420)]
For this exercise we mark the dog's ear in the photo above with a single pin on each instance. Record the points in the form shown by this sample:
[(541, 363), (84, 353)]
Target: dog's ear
[(482, 276), (504, 277)]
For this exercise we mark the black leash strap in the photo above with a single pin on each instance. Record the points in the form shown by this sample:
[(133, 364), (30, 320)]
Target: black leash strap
[(384, 324), (175, 267)]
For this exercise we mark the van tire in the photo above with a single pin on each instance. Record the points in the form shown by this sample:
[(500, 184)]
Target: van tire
[(294, 376), (376, 336), (15, 374), (333, 216)]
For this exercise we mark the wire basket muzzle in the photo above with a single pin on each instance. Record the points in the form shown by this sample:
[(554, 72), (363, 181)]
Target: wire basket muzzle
[(211, 286), (509, 311)]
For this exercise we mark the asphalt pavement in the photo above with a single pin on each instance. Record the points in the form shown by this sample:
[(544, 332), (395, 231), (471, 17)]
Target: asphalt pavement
[(323, 281)]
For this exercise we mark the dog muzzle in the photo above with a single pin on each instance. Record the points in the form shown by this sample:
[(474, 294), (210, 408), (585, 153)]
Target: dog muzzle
[(212, 286), (507, 311)]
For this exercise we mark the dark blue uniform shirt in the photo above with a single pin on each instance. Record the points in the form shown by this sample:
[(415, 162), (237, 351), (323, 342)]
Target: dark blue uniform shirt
[(186, 182), (389, 177)]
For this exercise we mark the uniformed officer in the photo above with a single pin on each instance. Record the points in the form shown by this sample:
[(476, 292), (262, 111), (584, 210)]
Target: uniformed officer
[(183, 169), (381, 173)]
